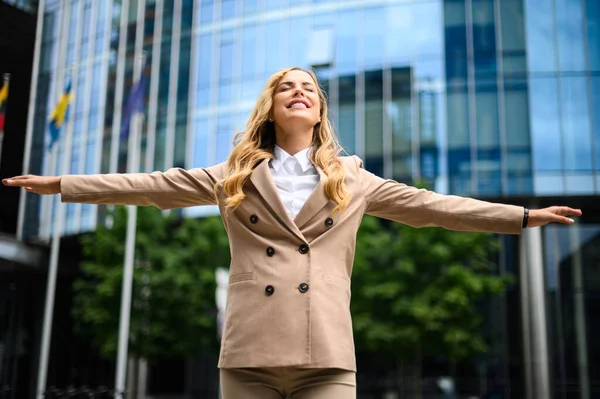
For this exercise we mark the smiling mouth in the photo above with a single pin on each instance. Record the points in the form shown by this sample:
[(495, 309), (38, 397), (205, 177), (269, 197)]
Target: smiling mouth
[(298, 104)]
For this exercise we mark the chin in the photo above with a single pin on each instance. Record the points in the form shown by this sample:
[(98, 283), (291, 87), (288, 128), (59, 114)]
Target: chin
[(305, 118)]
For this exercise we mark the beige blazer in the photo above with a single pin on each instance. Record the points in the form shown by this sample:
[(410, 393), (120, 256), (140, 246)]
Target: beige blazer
[(289, 288)]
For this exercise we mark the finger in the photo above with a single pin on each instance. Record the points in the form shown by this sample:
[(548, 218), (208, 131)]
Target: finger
[(562, 210), (20, 177), (15, 182), (29, 189), (566, 211), (563, 220)]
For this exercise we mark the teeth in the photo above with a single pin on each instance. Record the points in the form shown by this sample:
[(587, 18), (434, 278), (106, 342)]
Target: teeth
[(298, 105)]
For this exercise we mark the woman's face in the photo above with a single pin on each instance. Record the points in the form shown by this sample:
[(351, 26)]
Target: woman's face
[(296, 100)]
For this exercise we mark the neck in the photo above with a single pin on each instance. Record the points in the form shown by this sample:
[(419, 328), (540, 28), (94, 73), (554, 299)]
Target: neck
[(292, 140)]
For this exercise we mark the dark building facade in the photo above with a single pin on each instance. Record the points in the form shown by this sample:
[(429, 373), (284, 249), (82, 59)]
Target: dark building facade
[(22, 265)]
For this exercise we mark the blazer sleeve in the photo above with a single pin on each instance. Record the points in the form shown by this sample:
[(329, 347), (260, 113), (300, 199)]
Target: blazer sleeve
[(389, 199), (175, 188)]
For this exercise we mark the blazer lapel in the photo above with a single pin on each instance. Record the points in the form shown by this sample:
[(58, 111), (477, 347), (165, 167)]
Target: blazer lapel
[(263, 181), (315, 202)]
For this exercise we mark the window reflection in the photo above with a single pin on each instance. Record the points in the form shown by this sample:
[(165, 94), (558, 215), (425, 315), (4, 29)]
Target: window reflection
[(204, 54), (592, 13), (489, 174), (541, 48), (516, 112), (458, 118), (518, 169), (85, 38), (373, 31), (346, 43), (484, 39), (347, 113), (273, 4), (227, 9), (512, 31), (249, 52), (250, 6), (399, 43), (518, 148), (400, 113), (272, 46), (548, 183), (206, 11), (427, 29), (299, 29), (201, 147), (569, 27), (224, 138), (545, 124), (90, 157), (486, 116), (456, 42), (576, 123), (374, 122), (579, 183)]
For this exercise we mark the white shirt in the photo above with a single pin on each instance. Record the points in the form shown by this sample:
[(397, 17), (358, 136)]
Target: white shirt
[(295, 178)]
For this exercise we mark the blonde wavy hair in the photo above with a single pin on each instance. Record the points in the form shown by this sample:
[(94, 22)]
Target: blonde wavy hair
[(257, 143)]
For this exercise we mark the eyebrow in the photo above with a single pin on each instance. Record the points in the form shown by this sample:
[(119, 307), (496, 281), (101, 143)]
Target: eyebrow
[(292, 83)]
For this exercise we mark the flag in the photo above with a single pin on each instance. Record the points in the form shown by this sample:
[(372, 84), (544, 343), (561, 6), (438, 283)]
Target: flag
[(134, 105), (3, 100), (61, 114)]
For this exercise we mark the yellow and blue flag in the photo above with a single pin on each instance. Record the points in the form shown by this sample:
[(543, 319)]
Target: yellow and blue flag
[(61, 114), (3, 101)]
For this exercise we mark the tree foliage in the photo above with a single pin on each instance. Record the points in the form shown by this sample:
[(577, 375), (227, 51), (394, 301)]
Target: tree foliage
[(415, 292), (173, 309)]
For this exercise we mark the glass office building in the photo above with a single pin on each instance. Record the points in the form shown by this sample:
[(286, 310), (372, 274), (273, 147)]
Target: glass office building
[(496, 99)]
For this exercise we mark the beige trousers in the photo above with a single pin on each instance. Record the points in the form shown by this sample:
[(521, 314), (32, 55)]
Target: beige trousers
[(282, 382)]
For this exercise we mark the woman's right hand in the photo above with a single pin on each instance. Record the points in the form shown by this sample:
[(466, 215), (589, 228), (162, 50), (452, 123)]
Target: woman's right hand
[(35, 184)]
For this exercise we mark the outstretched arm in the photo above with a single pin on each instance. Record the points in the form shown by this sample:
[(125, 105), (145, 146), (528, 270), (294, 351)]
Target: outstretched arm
[(419, 208), (175, 188)]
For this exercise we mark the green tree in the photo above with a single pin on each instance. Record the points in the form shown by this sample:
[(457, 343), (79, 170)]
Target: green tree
[(173, 299), (415, 292)]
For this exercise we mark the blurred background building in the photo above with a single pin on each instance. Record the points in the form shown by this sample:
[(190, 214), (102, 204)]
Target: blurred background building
[(495, 99)]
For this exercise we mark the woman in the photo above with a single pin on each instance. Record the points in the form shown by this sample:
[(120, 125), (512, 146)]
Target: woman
[(291, 207)]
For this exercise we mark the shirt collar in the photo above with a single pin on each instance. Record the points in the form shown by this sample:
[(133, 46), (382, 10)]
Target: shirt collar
[(280, 156)]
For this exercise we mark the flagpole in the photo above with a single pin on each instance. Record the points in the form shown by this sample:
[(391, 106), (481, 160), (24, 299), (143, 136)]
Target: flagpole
[(33, 96), (6, 81), (133, 163), (59, 222)]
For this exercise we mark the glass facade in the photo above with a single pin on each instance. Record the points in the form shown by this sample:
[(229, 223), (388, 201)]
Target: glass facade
[(484, 98), (496, 99)]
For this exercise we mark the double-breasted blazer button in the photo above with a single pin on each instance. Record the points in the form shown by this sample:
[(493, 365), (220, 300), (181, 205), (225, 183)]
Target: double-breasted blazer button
[(303, 288), (270, 251), (303, 249), (253, 219), (329, 222), (269, 290)]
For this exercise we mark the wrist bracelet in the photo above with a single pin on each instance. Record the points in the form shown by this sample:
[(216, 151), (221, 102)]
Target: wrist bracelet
[(525, 217)]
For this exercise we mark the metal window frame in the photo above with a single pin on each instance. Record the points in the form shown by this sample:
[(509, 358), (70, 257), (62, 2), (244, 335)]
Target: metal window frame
[(86, 106), (103, 95)]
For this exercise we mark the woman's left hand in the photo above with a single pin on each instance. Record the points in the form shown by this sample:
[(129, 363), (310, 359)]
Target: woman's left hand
[(553, 214)]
